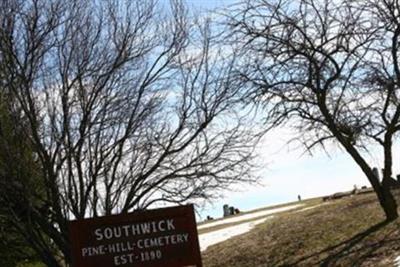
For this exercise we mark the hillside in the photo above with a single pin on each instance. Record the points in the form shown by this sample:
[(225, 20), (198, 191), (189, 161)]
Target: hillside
[(346, 232)]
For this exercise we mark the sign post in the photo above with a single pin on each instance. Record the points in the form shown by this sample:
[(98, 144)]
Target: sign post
[(155, 238)]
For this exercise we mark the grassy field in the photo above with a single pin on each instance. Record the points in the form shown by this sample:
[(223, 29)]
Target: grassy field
[(306, 202), (345, 232)]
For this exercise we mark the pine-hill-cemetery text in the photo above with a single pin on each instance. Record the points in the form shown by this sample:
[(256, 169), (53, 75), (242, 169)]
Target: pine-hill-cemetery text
[(108, 233)]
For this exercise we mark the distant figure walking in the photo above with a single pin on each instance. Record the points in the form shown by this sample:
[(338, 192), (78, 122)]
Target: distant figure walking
[(299, 197)]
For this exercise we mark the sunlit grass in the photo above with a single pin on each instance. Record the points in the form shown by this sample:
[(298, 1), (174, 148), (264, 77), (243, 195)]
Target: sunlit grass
[(346, 232)]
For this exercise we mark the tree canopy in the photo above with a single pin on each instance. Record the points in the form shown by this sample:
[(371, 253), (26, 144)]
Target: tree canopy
[(123, 106), (330, 70)]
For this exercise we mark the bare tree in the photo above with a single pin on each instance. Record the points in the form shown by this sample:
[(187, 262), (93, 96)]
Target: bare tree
[(330, 70), (124, 106)]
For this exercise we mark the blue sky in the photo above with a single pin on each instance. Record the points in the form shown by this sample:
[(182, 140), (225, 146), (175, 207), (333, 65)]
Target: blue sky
[(287, 172), (210, 4)]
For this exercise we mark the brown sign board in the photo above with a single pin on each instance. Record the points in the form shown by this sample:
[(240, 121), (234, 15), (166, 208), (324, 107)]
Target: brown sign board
[(154, 238)]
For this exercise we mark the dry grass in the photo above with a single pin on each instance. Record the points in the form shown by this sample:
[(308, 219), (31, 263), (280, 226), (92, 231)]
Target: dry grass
[(347, 232), (305, 203)]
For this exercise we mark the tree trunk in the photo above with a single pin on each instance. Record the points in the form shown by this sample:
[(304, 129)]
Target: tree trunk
[(387, 201), (385, 197), (389, 206), (382, 190)]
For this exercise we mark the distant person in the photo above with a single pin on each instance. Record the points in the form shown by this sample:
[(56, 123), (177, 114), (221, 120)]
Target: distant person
[(299, 197)]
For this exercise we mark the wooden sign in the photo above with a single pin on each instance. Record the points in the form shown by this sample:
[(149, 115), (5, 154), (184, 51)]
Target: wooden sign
[(155, 238)]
